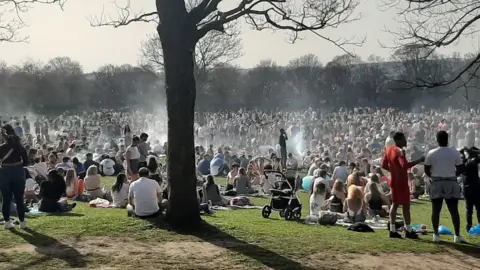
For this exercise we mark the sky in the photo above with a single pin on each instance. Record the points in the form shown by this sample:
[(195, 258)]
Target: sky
[(55, 32)]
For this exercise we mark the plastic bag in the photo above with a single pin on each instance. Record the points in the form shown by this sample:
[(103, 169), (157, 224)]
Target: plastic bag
[(475, 231), (442, 230)]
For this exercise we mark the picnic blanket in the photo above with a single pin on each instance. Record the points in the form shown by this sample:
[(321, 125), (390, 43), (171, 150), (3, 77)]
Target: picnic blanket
[(234, 207), (374, 224)]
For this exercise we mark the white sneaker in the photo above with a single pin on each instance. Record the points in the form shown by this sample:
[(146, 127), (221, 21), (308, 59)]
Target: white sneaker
[(436, 238), (23, 225), (9, 225), (457, 239)]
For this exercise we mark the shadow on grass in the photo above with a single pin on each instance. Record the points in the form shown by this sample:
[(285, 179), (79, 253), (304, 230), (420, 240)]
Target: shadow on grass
[(215, 236), (467, 249), (65, 214), (51, 248)]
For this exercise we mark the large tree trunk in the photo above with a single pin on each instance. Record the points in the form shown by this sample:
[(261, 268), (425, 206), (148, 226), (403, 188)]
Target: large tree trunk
[(178, 38)]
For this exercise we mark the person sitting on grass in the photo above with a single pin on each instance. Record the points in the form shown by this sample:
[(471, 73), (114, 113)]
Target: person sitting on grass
[(266, 182), (336, 201), (375, 200), (241, 183), (320, 176), (231, 175), (71, 182), (120, 191), (92, 183), (153, 170), (52, 191), (31, 188), (144, 196), (317, 199), (354, 206), (211, 193)]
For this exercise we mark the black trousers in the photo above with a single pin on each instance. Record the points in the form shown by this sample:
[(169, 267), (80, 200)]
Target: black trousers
[(12, 186), (472, 199), (283, 154)]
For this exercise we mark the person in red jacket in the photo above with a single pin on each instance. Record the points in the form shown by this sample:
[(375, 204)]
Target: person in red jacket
[(396, 163)]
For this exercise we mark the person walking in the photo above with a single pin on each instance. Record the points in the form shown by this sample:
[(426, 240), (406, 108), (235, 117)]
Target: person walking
[(13, 157), (443, 164)]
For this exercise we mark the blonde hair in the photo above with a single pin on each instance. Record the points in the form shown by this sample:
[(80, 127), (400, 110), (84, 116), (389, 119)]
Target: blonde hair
[(354, 192), (70, 176)]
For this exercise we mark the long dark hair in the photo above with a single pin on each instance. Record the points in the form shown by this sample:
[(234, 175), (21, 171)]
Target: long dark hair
[(210, 181), (119, 183), (152, 165)]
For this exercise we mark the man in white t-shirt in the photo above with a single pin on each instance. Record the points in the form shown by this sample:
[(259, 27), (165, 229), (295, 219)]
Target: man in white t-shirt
[(144, 195), (443, 164)]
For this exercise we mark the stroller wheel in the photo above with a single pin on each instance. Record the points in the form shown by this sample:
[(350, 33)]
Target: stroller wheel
[(282, 213), (297, 214), (288, 214), (266, 211)]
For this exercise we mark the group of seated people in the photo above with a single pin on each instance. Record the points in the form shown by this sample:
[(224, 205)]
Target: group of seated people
[(350, 191)]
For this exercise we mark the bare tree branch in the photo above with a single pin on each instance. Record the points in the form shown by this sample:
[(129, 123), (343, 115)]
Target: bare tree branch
[(11, 21), (125, 15), (214, 50), (433, 24), (292, 16)]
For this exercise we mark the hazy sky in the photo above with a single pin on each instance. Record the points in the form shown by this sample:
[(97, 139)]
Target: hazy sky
[(54, 32)]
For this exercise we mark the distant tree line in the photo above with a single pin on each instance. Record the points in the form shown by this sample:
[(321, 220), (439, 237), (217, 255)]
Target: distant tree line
[(346, 81)]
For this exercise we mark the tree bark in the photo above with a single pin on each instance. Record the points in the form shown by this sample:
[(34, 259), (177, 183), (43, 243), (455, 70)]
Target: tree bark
[(178, 38)]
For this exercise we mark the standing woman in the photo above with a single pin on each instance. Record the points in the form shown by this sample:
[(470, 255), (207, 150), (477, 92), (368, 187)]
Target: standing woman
[(282, 141), (132, 159), (127, 133), (13, 157)]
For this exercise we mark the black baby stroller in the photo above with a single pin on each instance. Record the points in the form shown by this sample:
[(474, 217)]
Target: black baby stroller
[(284, 197)]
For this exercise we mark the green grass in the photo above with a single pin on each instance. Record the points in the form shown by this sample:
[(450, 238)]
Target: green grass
[(248, 238)]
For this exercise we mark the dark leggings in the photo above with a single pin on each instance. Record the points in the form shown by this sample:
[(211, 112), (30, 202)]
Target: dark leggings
[(452, 205), (12, 184), (283, 155), (472, 200)]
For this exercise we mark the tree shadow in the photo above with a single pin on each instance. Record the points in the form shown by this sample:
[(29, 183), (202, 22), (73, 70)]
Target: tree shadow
[(65, 214), (219, 238), (51, 248), (467, 249)]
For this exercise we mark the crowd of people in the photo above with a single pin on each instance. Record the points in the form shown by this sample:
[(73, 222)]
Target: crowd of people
[(358, 159)]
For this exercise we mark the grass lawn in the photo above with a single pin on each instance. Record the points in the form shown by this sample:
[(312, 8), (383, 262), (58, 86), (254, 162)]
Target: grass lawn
[(240, 239)]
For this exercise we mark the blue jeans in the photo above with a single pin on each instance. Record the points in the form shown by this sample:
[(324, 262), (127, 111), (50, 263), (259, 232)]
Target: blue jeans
[(12, 184)]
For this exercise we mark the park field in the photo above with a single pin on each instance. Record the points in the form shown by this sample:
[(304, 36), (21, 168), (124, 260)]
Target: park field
[(239, 239)]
